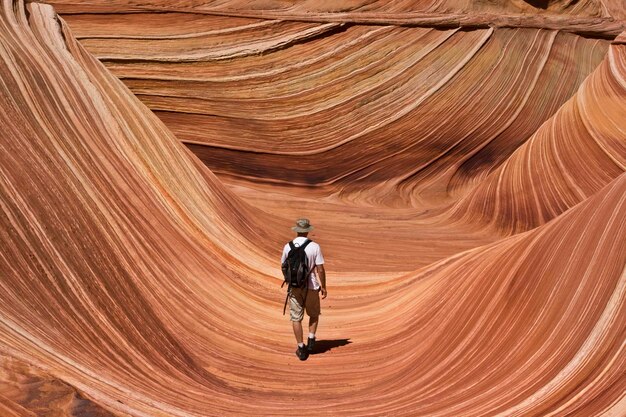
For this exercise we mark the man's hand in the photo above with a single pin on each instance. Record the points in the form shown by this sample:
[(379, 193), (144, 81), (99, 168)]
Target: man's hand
[(324, 292)]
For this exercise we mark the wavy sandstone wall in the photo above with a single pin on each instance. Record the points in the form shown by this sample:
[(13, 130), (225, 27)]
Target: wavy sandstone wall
[(398, 115), (479, 172)]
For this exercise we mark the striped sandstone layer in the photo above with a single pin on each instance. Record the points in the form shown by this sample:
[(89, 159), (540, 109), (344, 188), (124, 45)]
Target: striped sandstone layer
[(383, 114), (135, 283)]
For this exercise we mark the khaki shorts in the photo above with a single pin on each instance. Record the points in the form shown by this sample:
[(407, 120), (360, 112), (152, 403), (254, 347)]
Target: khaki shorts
[(296, 301)]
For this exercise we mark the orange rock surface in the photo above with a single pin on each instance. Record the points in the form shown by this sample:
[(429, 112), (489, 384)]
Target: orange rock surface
[(463, 163)]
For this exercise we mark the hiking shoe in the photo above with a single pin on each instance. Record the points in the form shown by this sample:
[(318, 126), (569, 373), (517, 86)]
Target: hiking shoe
[(310, 344), (302, 353)]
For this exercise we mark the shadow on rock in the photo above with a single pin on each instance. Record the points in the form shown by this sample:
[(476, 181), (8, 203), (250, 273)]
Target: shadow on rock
[(322, 346)]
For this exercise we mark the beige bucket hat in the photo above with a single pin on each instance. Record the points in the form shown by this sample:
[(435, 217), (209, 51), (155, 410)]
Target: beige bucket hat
[(302, 226)]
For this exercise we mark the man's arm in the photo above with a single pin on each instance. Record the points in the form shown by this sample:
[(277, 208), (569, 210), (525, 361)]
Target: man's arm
[(285, 253), (321, 274)]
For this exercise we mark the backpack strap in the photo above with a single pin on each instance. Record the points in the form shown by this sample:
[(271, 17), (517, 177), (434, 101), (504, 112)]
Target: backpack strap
[(293, 245), (312, 266), (303, 247)]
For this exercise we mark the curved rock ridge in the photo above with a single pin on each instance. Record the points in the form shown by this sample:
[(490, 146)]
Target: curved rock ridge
[(357, 108), (96, 225), (596, 18), (120, 115), (135, 283), (591, 8), (574, 154)]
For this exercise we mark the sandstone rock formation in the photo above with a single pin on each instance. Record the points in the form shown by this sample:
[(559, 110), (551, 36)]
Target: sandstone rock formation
[(154, 154)]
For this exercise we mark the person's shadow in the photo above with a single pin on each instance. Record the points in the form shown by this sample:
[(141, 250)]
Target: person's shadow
[(322, 346)]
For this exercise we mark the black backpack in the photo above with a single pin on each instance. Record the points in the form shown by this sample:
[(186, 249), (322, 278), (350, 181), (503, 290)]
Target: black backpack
[(296, 268)]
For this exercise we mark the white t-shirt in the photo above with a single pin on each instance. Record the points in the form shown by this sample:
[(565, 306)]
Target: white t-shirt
[(314, 257)]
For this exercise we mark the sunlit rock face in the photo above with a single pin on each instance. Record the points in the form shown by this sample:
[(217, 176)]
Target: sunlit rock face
[(463, 163), (412, 114)]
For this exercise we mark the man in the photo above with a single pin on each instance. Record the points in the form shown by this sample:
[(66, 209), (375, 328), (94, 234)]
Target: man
[(308, 298)]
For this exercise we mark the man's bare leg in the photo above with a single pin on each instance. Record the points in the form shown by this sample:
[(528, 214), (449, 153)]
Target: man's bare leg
[(313, 325), (297, 331), (310, 344)]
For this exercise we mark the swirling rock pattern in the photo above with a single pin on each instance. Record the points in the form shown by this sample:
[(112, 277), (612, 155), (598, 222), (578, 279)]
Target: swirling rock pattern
[(478, 170), (354, 107)]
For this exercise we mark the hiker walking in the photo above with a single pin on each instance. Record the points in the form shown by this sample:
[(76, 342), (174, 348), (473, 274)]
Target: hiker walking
[(303, 269)]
